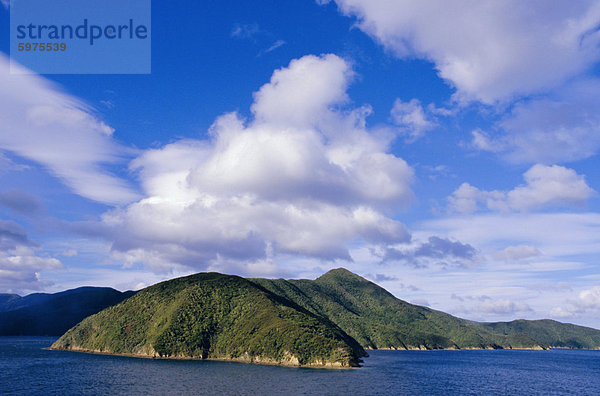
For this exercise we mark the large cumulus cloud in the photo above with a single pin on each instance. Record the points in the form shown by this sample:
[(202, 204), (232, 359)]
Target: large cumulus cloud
[(303, 177)]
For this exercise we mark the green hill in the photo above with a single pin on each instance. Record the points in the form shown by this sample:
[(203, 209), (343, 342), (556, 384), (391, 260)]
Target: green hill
[(549, 332), (377, 319), (214, 316)]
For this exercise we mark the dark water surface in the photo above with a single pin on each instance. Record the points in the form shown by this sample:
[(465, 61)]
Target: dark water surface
[(27, 369)]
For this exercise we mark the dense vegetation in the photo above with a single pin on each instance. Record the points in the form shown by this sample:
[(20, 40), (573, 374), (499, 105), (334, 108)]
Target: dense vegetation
[(53, 314), (549, 332), (377, 319), (326, 321), (214, 316)]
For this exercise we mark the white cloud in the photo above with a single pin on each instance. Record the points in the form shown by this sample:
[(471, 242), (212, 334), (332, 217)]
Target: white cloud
[(245, 31), (489, 50), (545, 186), (465, 199), (58, 131), (8, 165), (558, 235), (436, 251), (588, 300), (482, 141), (303, 178), (549, 186), (302, 93), (274, 46), (20, 266), (503, 307), (497, 52), (529, 263), (411, 118), (69, 253), (563, 312), (537, 282), (563, 126), (515, 253)]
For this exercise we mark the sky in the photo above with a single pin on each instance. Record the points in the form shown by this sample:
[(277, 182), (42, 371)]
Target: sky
[(447, 151)]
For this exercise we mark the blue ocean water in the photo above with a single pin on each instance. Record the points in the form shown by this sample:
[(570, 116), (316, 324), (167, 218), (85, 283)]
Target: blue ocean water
[(28, 369)]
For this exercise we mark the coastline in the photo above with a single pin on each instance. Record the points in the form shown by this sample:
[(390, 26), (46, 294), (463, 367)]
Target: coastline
[(536, 348), (288, 361), (424, 348)]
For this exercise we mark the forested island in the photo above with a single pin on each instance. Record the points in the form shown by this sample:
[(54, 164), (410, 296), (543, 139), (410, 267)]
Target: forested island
[(327, 322)]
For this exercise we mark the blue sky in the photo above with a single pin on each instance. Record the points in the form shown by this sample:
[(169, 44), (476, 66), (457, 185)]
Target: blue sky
[(447, 151)]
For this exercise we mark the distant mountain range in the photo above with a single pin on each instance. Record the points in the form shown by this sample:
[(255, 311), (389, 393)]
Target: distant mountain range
[(322, 322), (52, 314)]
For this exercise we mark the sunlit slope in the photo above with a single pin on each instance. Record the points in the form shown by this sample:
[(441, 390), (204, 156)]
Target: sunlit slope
[(213, 316)]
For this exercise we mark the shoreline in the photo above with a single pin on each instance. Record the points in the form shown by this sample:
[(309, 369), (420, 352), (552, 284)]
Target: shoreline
[(423, 348), (254, 360), (293, 364), (539, 348)]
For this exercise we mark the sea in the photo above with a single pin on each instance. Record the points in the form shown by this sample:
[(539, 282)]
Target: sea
[(27, 368)]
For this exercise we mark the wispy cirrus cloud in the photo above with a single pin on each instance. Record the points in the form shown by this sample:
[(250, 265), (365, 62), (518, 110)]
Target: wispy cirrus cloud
[(245, 30), (274, 46), (60, 132), (254, 33)]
